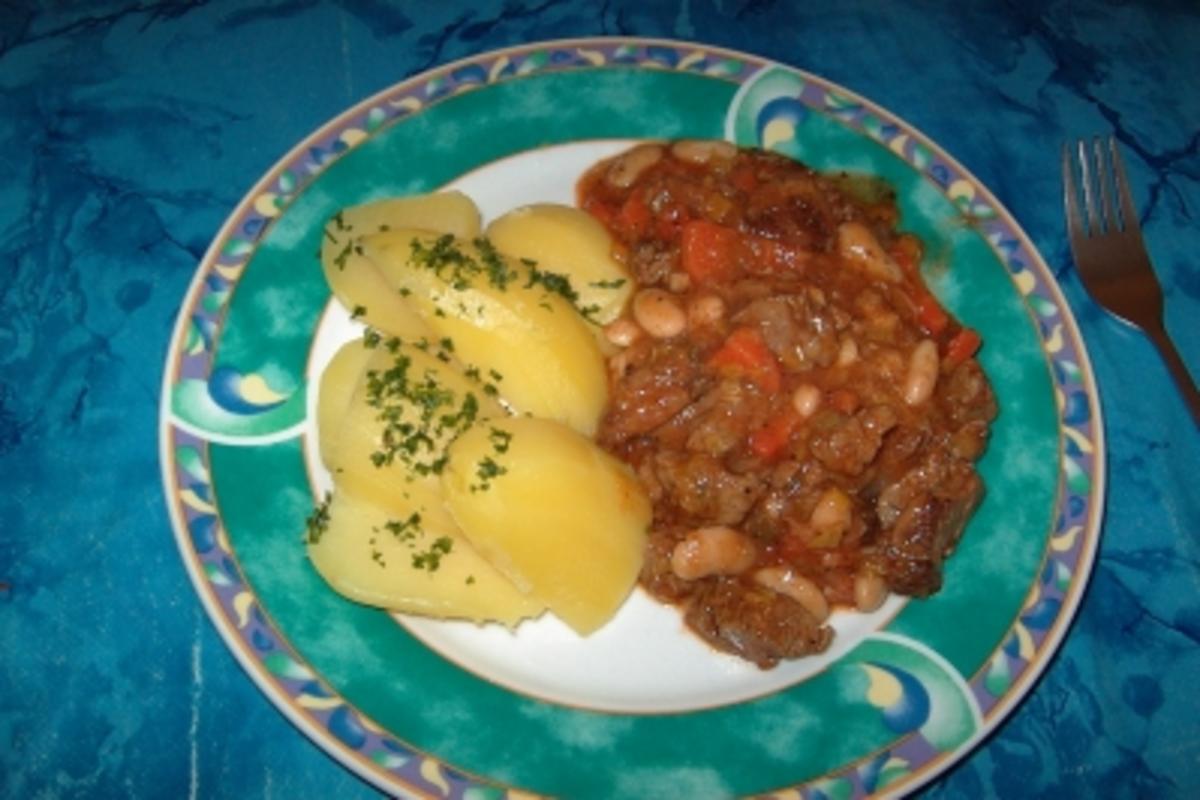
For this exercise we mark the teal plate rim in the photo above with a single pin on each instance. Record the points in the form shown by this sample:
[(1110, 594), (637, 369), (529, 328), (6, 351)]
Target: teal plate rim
[(383, 757)]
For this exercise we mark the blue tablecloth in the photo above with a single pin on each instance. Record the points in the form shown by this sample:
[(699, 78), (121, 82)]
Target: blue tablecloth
[(128, 131)]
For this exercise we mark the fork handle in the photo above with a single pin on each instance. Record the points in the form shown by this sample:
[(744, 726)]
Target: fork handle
[(1179, 371)]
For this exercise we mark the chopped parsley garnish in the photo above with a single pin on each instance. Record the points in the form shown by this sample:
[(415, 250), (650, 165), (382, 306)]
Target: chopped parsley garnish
[(500, 440), (404, 530), (560, 284), (429, 395), (498, 272), (431, 559), (339, 260), (473, 372), (418, 414), (460, 420), (487, 470), (372, 338), (445, 260), (553, 282), (358, 311), (318, 521), (338, 223), (459, 268)]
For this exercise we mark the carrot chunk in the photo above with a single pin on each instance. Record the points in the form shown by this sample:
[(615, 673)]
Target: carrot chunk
[(744, 353), (769, 441), (962, 346), (930, 314), (634, 218), (708, 251)]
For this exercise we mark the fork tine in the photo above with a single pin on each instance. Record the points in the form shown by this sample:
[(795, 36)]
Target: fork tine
[(1071, 196), (1109, 221), (1129, 217), (1092, 223)]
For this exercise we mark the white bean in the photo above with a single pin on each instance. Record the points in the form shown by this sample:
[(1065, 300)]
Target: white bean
[(679, 282), (869, 591), (848, 353), (717, 550), (806, 399), (831, 516), (659, 314), (890, 503), (857, 245), (922, 374), (622, 332), (799, 588), (701, 151), (705, 310), (625, 170)]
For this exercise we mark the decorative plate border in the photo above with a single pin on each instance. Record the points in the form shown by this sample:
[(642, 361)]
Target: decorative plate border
[(391, 764)]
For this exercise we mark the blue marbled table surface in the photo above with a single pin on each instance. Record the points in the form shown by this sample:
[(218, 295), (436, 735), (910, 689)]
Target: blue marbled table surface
[(128, 131)]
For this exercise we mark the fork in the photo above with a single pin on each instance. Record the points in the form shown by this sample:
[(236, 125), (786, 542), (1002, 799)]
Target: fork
[(1109, 253)]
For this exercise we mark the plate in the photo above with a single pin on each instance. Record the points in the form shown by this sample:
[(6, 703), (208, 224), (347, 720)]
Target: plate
[(437, 709)]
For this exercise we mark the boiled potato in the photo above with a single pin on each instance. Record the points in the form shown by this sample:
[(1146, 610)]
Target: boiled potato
[(335, 390), (356, 282), (559, 517), (389, 444), (572, 242), (387, 557), (524, 334)]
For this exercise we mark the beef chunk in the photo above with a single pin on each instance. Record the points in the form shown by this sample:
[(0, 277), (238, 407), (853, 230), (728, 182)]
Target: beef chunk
[(656, 388), (755, 623), (704, 490), (924, 534), (849, 444)]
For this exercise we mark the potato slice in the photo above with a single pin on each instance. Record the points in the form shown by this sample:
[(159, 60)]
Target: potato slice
[(334, 393), (388, 558), (523, 333), (560, 518), (356, 282), (571, 242), (407, 406)]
